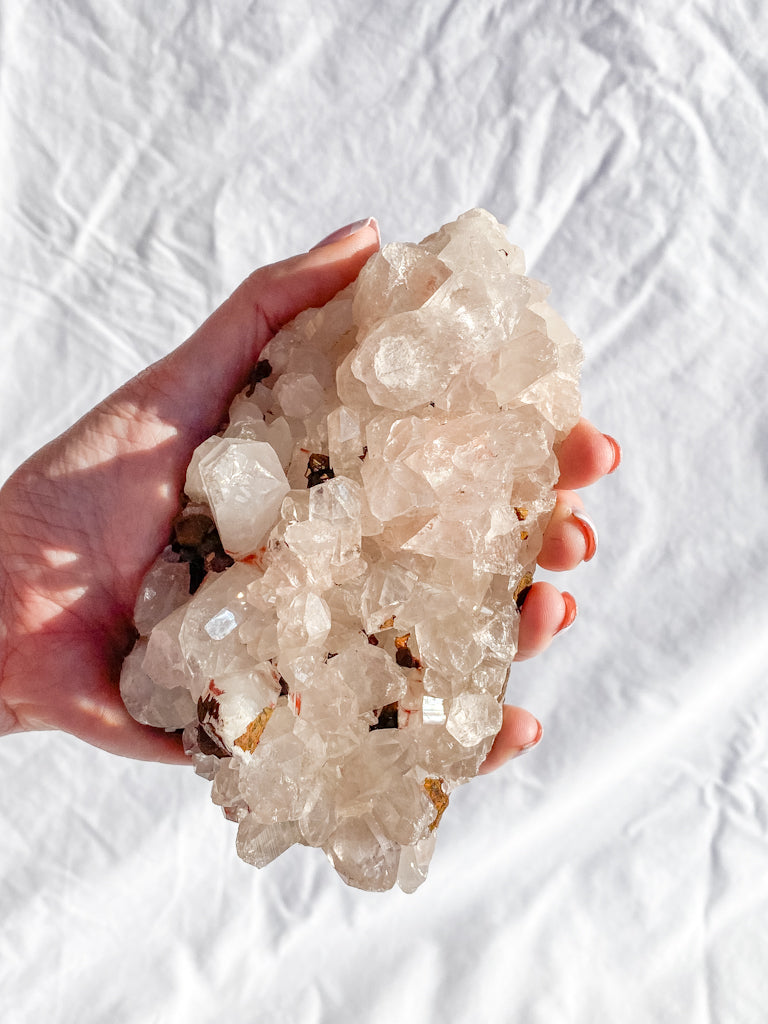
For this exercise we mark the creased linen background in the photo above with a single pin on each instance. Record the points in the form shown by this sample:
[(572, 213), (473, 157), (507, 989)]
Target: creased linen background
[(151, 155)]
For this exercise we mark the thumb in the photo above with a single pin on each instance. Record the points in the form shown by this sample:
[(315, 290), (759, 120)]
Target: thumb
[(211, 366)]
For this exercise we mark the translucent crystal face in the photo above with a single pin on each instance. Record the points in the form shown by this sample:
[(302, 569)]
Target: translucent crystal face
[(333, 622)]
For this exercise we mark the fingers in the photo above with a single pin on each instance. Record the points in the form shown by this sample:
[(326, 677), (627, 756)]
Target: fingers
[(519, 732), (103, 721), (571, 537), (586, 455), (127, 738), (545, 613)]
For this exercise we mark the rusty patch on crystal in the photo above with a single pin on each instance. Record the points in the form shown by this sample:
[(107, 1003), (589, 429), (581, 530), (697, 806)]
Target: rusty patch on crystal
[(525, 582), (521, 513), (438, 796), (250, 738)]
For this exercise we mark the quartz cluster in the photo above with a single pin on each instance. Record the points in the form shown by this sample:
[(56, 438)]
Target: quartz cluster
[(333, 621)]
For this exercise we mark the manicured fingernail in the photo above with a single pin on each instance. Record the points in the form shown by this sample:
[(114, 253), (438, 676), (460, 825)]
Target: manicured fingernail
[(571, 611), (589, 530), (616, 452), (532, 743), (347, 230)]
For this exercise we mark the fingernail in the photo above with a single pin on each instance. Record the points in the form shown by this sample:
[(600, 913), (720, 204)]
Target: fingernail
[(347, 230), (571, 610), (533, 742), (589, 530), (616, 452)]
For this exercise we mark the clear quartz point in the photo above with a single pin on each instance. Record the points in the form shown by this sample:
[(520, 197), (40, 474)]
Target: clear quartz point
[(380, 492)]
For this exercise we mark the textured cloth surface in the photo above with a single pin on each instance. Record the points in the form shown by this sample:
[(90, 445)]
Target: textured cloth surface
[(154, 154)]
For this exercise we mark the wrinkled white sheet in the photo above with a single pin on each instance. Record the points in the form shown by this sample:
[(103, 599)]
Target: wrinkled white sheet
[(152, 155)]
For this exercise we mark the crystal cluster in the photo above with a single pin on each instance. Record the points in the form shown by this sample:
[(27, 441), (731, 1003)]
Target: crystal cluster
[(354, 542)]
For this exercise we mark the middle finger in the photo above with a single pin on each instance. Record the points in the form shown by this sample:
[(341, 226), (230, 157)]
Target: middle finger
[(570, 536)]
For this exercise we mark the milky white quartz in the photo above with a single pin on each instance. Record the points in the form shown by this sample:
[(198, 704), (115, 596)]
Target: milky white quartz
[(355, 539)]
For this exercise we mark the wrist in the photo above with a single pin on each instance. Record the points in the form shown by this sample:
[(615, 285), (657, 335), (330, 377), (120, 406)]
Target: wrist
[(8, 721)]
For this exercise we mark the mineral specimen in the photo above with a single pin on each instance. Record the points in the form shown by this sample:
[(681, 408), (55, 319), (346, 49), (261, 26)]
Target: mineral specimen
[(354, 542)]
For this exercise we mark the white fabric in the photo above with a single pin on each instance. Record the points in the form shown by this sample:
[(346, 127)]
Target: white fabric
[(152, 155)]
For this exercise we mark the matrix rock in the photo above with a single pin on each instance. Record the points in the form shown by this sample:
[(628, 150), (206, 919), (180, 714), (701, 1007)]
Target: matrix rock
[(333, 621)]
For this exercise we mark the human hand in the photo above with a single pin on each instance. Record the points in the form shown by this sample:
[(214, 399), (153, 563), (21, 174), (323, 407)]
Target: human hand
[(83, 518)]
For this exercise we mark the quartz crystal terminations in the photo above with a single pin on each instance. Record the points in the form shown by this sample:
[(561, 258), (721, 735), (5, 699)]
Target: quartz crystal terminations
[(333, 621)]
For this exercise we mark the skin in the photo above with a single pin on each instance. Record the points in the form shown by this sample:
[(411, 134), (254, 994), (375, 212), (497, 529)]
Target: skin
[(83, 518)]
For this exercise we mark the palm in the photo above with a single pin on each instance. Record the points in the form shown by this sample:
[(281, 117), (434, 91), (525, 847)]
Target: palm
[(84, 518)]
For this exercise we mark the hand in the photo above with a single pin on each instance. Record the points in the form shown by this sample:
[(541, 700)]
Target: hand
[(83, 518)]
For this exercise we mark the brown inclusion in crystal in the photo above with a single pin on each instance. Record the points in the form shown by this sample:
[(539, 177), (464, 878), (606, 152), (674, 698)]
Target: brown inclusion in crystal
[(208, 738), (208, 744), (189, 531), (387, 718), (260, 372), (318, 469), (207, 708), (196, 540)]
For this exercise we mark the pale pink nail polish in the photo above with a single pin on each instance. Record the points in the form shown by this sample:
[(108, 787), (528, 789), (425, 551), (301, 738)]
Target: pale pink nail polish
[(347, 230), (534, 741)]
